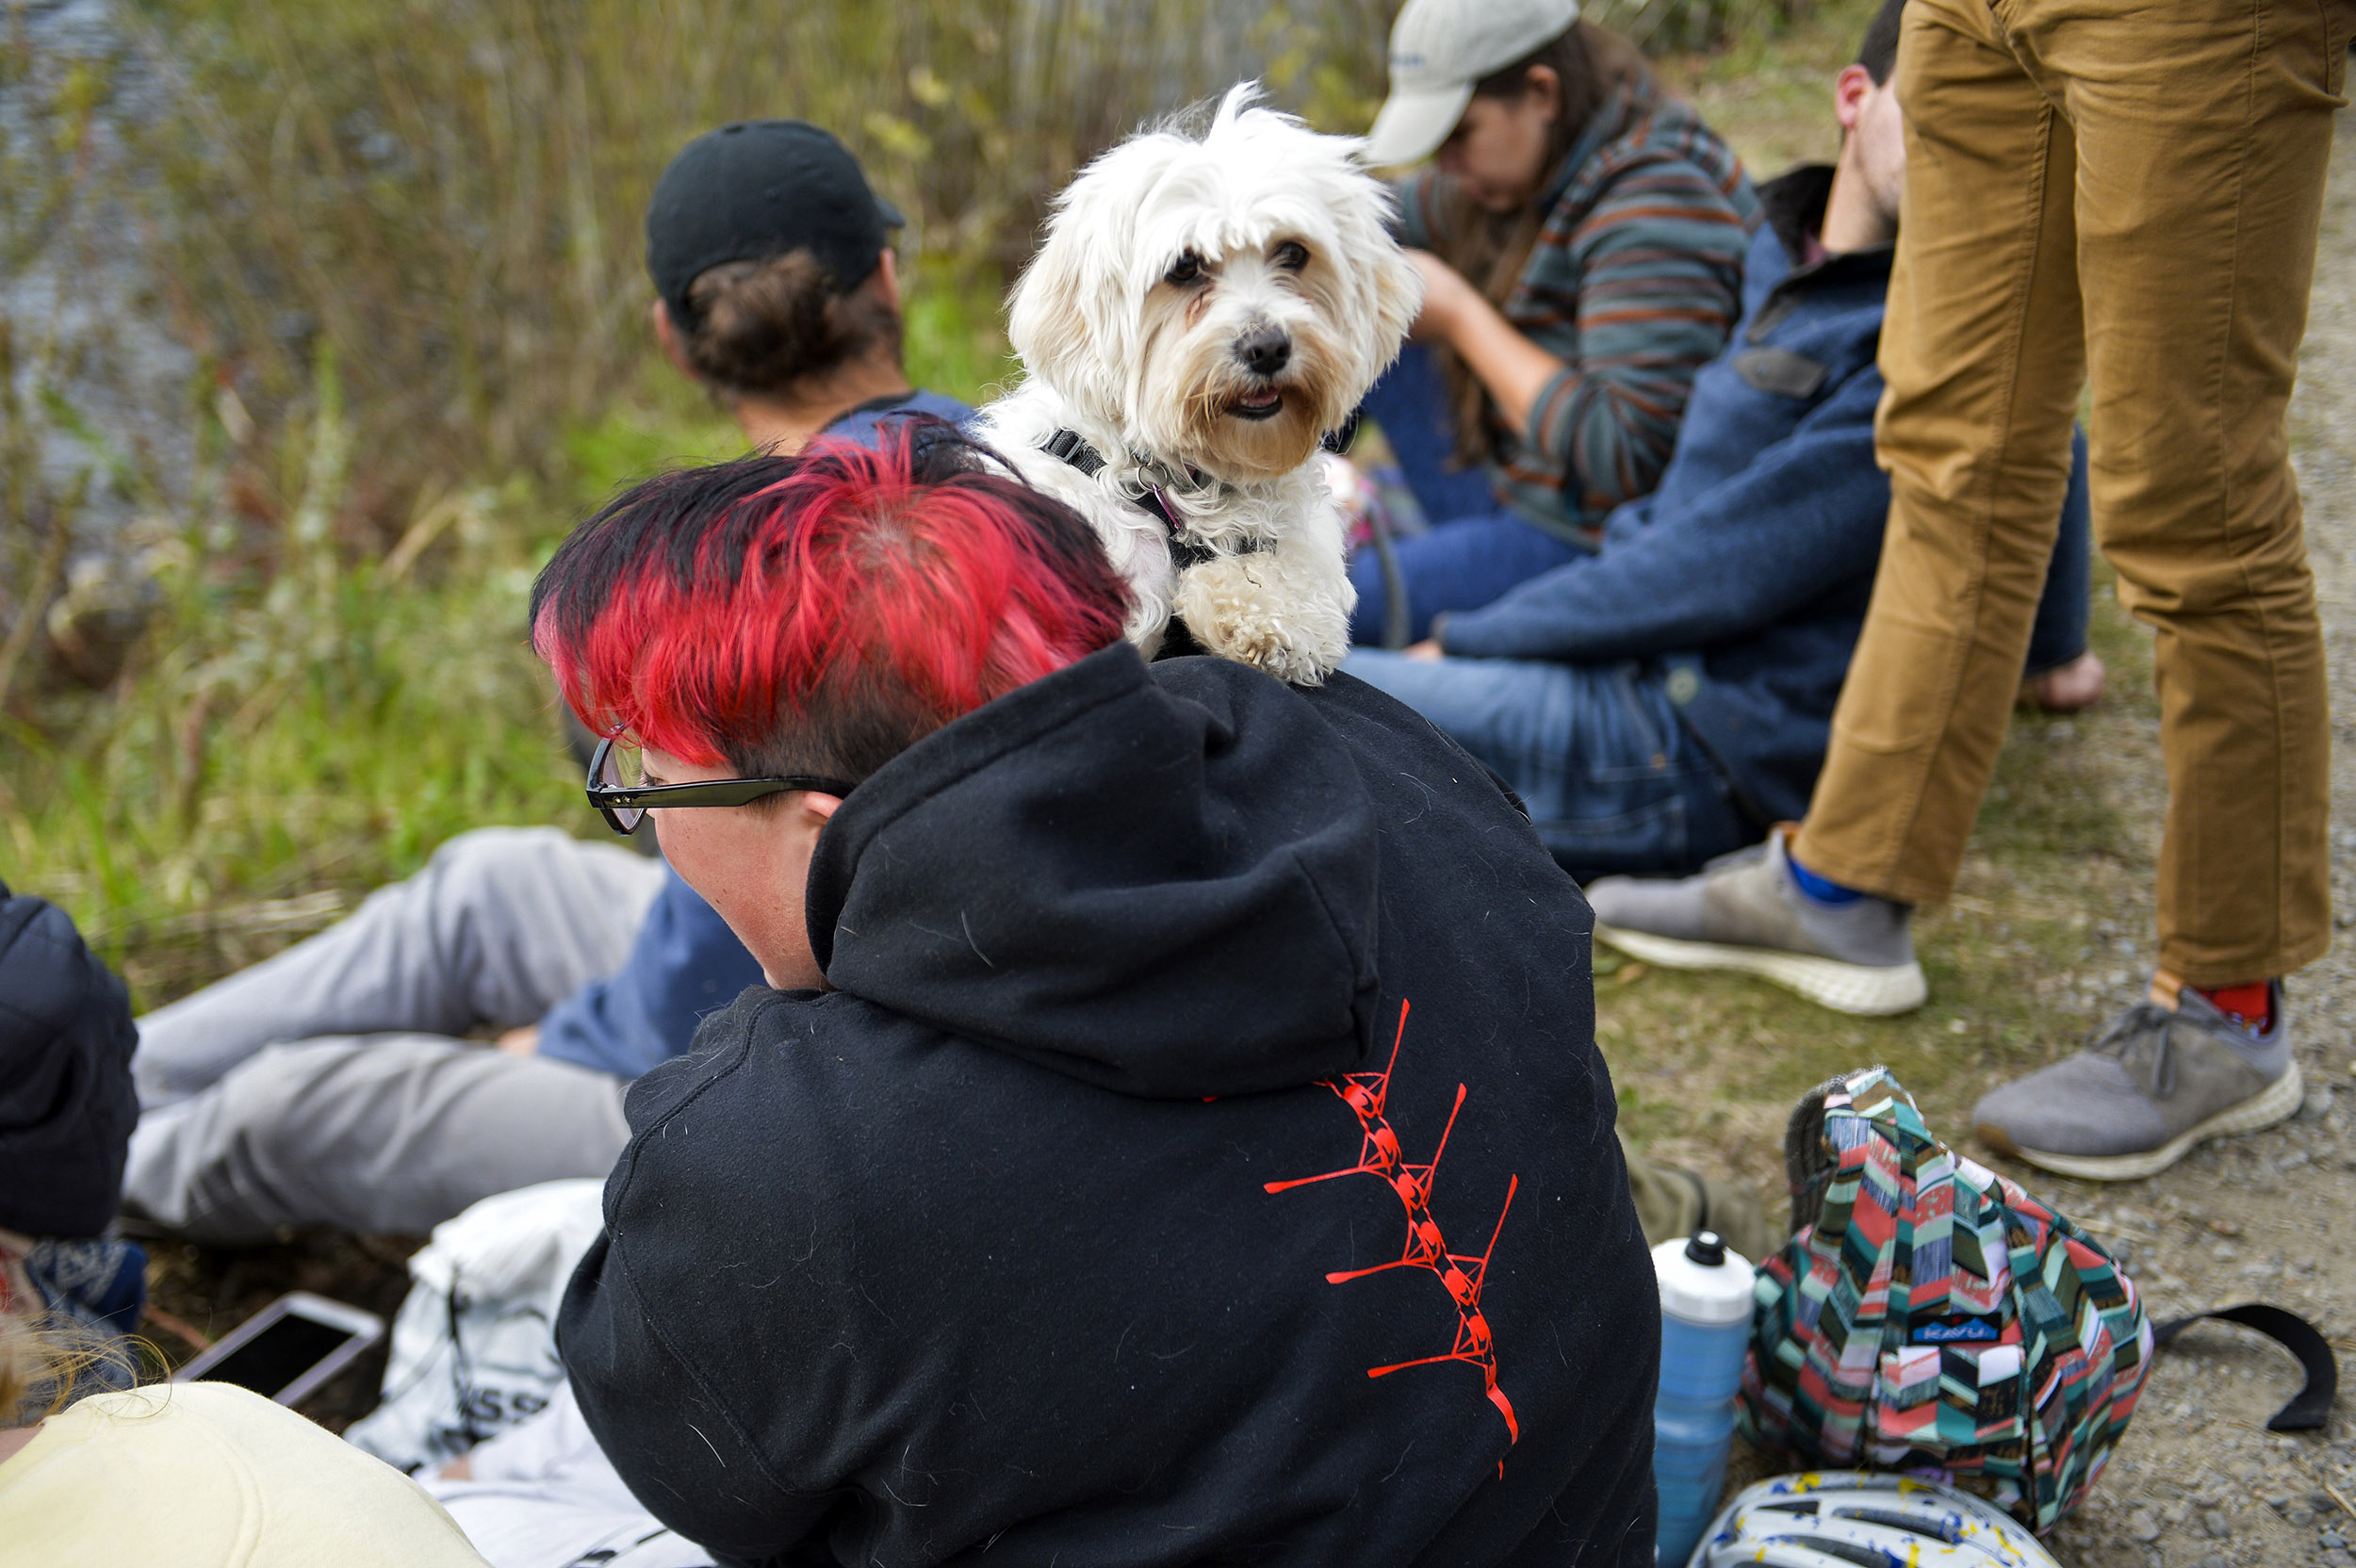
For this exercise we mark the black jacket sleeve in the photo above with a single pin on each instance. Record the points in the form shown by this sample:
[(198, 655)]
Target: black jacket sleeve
[(668, 1430)]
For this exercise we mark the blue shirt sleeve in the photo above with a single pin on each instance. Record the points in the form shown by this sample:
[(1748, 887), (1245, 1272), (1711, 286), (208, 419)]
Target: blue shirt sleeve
[(1740, 556), (685, 963)]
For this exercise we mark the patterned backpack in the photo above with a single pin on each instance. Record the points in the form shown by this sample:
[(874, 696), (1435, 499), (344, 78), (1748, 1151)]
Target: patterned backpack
[(1927, 1315)]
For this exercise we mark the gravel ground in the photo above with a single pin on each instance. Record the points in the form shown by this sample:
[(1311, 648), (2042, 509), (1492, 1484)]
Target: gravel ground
[(2200, 1482)]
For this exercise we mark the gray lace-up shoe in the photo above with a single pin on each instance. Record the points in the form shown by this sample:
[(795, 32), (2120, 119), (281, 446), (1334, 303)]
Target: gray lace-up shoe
[(1745, 912), (2145, 1092)]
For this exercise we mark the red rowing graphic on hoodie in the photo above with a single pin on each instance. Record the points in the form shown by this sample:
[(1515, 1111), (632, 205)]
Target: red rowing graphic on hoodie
[(1381, 1155)]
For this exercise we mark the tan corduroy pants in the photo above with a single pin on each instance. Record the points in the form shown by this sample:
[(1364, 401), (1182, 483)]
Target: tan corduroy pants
[(2128, 193)]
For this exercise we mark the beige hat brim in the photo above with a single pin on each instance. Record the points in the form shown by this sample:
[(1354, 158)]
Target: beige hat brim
[(1413, 124)]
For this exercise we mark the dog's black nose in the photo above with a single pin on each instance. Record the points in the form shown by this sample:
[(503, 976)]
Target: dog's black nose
[(1264, 351)]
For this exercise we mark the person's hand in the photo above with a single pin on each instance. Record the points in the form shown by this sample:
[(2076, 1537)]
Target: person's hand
[(1446, 295), (1427, 650), (2066, 689), (524, 1041)]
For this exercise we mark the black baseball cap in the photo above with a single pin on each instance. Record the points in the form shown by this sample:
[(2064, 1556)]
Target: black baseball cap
[(760, 188)]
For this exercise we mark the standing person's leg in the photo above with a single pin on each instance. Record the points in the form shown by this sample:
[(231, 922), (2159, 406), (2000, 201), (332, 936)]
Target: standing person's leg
[(1982, 348), (1983, 351), (501, 924), (2204, 129), (1609, 774), (380, 1133)]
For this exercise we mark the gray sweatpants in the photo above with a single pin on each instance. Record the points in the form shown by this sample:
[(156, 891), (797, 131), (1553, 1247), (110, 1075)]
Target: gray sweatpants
[(325, 1085)]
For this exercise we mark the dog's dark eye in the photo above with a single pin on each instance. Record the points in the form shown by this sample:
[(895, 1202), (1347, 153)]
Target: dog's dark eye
[(1292, 255), (1183, 270)]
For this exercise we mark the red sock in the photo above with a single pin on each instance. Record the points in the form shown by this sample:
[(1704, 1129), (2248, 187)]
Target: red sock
[(2251, 1005)]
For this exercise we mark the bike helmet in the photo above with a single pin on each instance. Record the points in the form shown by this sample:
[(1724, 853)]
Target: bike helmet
[(1865, 1519)]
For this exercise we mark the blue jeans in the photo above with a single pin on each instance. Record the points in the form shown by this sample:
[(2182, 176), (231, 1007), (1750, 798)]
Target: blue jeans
[(1613, 780), (1476, 549)]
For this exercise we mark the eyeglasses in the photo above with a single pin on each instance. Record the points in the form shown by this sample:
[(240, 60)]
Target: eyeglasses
[(624, 804)]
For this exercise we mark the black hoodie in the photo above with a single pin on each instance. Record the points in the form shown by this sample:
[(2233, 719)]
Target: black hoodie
[(1101, 1214)]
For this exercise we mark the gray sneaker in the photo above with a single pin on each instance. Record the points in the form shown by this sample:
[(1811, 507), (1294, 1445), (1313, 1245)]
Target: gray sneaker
[(2148, 1088), (1745, 912)]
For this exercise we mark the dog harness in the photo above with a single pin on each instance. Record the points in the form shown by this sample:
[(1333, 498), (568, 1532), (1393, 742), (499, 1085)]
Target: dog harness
[(1069, 445)]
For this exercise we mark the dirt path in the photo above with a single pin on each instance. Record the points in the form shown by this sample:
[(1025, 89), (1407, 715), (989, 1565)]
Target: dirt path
[(2200, 1482)]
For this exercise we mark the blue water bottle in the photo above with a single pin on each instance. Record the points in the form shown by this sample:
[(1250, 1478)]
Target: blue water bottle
[(1705, 1330)]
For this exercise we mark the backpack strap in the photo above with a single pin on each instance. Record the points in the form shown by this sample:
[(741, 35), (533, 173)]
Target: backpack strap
[(2313, 1406)]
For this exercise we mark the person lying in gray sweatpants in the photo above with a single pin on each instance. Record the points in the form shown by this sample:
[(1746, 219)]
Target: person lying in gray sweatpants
[(329, 1085)]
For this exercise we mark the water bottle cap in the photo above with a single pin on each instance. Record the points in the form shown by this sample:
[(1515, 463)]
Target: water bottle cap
[(1706, 1292)]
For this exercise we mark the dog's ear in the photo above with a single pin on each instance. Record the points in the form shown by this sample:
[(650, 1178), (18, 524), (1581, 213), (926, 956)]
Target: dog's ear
[(1069, 317)]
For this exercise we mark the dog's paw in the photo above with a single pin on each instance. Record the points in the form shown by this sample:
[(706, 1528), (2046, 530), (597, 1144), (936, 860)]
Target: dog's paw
[(1291, 664), (1299, 638)]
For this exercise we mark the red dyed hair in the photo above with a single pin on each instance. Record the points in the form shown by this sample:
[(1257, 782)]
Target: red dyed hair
[(819, 614)]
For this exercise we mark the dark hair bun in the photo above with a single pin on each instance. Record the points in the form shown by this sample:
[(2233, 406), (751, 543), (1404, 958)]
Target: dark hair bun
[(758, 327)]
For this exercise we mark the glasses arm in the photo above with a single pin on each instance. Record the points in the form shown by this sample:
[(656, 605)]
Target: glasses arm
[(711, 791)]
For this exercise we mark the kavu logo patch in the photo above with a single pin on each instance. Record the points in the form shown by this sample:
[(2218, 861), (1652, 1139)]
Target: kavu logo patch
[(1957, 1330)]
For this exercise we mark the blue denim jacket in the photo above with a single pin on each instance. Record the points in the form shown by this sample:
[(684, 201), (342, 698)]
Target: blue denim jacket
[(1750, 565), (685, 962)]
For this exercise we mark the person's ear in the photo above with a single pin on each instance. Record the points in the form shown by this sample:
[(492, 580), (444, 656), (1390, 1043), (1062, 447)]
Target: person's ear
[(821, 804), (1542, 90), (1849, 91), (674, 350), (885, 279)]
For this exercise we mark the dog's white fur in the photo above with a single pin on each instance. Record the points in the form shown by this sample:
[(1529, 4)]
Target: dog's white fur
[(1148, 372)]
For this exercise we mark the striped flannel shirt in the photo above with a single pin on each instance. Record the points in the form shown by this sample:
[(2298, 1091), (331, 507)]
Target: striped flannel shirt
[(1634, 284)]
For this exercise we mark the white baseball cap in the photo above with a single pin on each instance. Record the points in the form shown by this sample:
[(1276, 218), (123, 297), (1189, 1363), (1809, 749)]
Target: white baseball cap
[(1439, 49)]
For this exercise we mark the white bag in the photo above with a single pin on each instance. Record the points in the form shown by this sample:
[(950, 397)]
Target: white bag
[(474, 1346), (542, 1495)]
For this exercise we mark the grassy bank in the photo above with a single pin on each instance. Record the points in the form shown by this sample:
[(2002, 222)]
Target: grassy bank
[(300, 725)]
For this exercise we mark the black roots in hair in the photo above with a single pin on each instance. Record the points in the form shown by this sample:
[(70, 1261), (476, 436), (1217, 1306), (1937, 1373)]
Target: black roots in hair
[(696, 527)]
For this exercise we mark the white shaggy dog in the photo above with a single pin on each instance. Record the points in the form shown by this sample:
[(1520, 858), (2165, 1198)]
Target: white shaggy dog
[(1204, 310)]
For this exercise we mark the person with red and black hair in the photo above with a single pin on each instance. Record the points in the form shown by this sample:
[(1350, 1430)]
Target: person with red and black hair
[(1174, 1129)]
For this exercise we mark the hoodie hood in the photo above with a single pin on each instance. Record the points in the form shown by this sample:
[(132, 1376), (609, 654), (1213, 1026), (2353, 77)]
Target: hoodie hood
[(1157, 880)]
